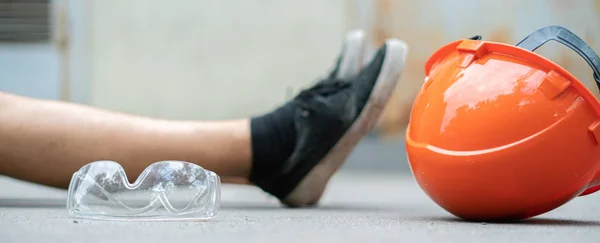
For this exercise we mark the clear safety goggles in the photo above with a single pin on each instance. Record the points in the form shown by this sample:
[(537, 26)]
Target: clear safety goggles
[(166, 190)]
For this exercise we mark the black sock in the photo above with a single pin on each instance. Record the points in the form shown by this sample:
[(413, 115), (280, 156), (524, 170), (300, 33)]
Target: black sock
[(273, 140)]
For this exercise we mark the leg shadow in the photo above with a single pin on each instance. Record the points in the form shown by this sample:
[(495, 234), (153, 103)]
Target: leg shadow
[(32, 203), (318, 207)]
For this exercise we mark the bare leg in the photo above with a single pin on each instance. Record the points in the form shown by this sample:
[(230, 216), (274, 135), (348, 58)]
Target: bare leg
[(290, 152), (45, 141)]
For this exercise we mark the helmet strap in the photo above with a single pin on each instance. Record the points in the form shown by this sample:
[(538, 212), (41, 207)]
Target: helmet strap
[(560, 34)]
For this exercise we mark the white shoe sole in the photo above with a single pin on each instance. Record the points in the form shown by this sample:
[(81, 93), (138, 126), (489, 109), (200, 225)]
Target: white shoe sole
[(354, 50), (311, 187)]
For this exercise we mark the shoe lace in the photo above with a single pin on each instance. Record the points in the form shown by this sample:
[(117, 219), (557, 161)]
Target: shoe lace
[(313, 99)]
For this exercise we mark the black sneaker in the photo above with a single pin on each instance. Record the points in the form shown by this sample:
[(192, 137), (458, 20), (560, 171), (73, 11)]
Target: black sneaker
[(331, 118)]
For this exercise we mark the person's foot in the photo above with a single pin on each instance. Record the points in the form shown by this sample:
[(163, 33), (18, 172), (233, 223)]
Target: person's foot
[(298, 147)]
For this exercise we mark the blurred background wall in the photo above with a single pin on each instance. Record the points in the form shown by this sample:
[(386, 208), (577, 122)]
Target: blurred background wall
[(202, 59), (29, 62)]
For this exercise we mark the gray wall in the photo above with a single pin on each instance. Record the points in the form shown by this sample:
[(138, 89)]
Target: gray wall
[(200, 59), (30, 70)]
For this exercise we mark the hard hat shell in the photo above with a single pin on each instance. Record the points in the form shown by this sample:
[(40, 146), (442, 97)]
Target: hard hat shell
[(498, 132)]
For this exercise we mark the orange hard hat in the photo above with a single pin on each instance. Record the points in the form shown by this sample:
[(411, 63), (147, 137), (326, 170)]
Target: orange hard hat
[(498, 132)]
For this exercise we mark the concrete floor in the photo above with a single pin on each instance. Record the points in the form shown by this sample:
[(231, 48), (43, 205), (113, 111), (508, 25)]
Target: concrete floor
[(357, 207)]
